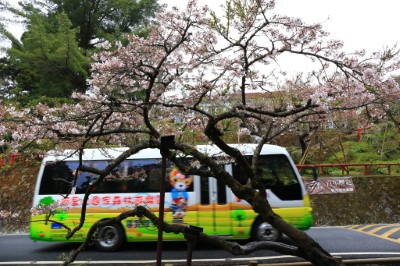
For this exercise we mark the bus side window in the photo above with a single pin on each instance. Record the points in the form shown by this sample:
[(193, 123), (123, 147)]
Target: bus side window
[(84, 179), (131, 176), (221, 192), (57, 179), (205, 190), (268, 176), (276, 170), (278, 174)]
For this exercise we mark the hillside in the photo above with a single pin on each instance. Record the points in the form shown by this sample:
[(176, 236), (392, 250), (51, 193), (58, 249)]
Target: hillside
[(17, 187)]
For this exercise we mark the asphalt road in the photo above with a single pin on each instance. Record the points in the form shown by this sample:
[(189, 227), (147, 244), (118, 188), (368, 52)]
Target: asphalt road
[(372, 241)]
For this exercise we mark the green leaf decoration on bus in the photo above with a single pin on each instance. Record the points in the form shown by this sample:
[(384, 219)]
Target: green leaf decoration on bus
[(239, 215), (61, 216), (47, 201)]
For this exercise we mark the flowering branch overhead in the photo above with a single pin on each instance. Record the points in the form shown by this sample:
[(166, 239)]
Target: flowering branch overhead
[(205, 76)]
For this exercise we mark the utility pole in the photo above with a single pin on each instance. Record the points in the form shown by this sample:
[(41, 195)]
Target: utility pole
[(167, 143)]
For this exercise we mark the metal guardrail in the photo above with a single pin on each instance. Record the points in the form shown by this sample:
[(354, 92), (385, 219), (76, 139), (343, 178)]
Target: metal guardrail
[(8, 160)]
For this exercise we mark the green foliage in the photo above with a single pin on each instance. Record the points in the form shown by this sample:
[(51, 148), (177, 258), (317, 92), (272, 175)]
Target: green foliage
[(295, 153), (46, 201), (54, 54), (49, 101), (6, 168), (380, 143), (105, 19), (7, 76), (50, 63), (354, 152)]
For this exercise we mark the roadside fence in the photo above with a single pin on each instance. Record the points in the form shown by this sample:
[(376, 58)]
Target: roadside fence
[(9, 160)]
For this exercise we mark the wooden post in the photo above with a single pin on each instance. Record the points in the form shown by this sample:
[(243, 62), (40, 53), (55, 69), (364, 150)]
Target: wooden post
[(167, 143)]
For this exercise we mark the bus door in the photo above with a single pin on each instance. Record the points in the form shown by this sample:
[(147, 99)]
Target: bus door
[(213, 209)]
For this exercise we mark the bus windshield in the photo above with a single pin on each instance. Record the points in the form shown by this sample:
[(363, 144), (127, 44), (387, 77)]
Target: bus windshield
[(277, 174)]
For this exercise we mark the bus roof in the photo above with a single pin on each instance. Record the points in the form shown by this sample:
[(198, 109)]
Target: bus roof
[(112, 153)]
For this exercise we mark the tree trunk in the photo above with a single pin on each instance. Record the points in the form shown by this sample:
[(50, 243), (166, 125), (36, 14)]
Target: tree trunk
[(308, 248), (312, 251)]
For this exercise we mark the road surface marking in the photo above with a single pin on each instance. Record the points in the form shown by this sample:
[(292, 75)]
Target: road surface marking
[(390, 232)]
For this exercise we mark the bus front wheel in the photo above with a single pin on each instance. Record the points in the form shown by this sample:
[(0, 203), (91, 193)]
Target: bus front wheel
[(263, 231), (109, 238)]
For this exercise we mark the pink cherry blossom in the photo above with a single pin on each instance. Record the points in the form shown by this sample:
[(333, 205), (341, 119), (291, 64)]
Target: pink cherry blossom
[(197, 70)]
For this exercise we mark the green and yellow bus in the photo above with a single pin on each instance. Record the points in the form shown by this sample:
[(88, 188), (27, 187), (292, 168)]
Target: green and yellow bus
[(195, 200)]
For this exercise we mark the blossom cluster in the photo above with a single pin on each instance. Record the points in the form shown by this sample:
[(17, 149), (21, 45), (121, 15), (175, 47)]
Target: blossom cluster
[(9, 215), (197, 71), (49, 209)]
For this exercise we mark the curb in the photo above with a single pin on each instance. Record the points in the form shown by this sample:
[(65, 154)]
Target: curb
[(375, 261)]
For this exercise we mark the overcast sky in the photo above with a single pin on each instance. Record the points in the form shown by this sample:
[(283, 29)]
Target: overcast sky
[(361, 24), (367, 24)]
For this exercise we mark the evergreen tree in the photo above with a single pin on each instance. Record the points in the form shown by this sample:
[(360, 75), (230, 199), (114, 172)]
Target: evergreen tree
[(53, 56), (48, 59), (100, 20)]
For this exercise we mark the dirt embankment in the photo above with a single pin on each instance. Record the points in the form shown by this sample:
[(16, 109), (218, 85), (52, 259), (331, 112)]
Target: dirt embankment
[(376, 200), (17, 186)]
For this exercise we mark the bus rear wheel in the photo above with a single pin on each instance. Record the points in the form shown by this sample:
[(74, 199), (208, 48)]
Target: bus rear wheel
[(263, 231), (110, 238)]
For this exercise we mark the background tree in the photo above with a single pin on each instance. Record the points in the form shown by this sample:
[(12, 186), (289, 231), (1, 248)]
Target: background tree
[(201, 67), (392, 109), (7, 75), (100, 20), (52, 58), (48, 60)]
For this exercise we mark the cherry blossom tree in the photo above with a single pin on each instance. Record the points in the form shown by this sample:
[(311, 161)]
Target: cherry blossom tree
[(193, 75)]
